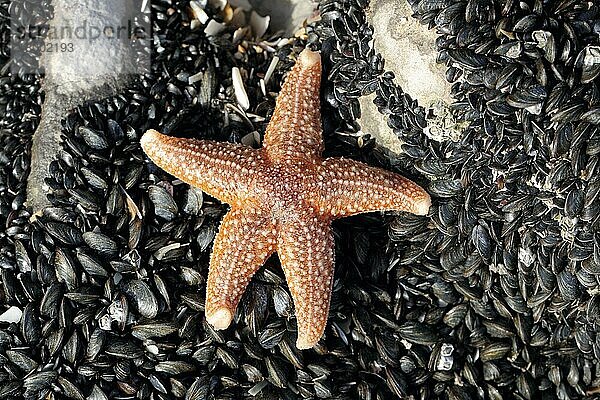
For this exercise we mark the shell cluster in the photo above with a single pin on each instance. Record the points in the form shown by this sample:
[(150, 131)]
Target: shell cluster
[(493, 297), (503, 279)]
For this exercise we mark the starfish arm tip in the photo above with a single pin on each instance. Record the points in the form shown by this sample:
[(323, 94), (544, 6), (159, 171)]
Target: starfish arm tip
[(422, 206), (303, 343), (220, 319), (148, 139), (309, 57)]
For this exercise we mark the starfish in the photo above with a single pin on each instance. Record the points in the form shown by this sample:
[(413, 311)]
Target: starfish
[(283, 198)]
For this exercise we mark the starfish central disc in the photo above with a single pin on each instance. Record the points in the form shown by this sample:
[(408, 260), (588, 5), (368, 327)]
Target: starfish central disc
[(283, 198)]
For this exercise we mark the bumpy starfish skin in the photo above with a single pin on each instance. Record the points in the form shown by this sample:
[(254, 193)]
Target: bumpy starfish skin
[(283, 198)]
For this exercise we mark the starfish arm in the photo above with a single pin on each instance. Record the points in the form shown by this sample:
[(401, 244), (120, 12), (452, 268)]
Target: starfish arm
[(306, 251), (245, 241), (295, 127), (349, 187), (223, 170)]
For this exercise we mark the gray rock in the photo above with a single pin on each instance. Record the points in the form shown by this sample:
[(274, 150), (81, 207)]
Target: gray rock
[(409, 51), (96, 67)]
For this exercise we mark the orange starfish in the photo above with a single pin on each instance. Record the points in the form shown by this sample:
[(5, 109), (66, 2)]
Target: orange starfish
[(283, 198)]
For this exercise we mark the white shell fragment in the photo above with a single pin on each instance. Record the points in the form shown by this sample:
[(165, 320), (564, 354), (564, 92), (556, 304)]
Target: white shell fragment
[(271, 69), (256, 389), (239, 34), (214, 28), (195, 78), (282, 42), (535, 109), (263, 88), (202, 3), (259, 24), (240, 90), (12, 315), (198, 11)]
